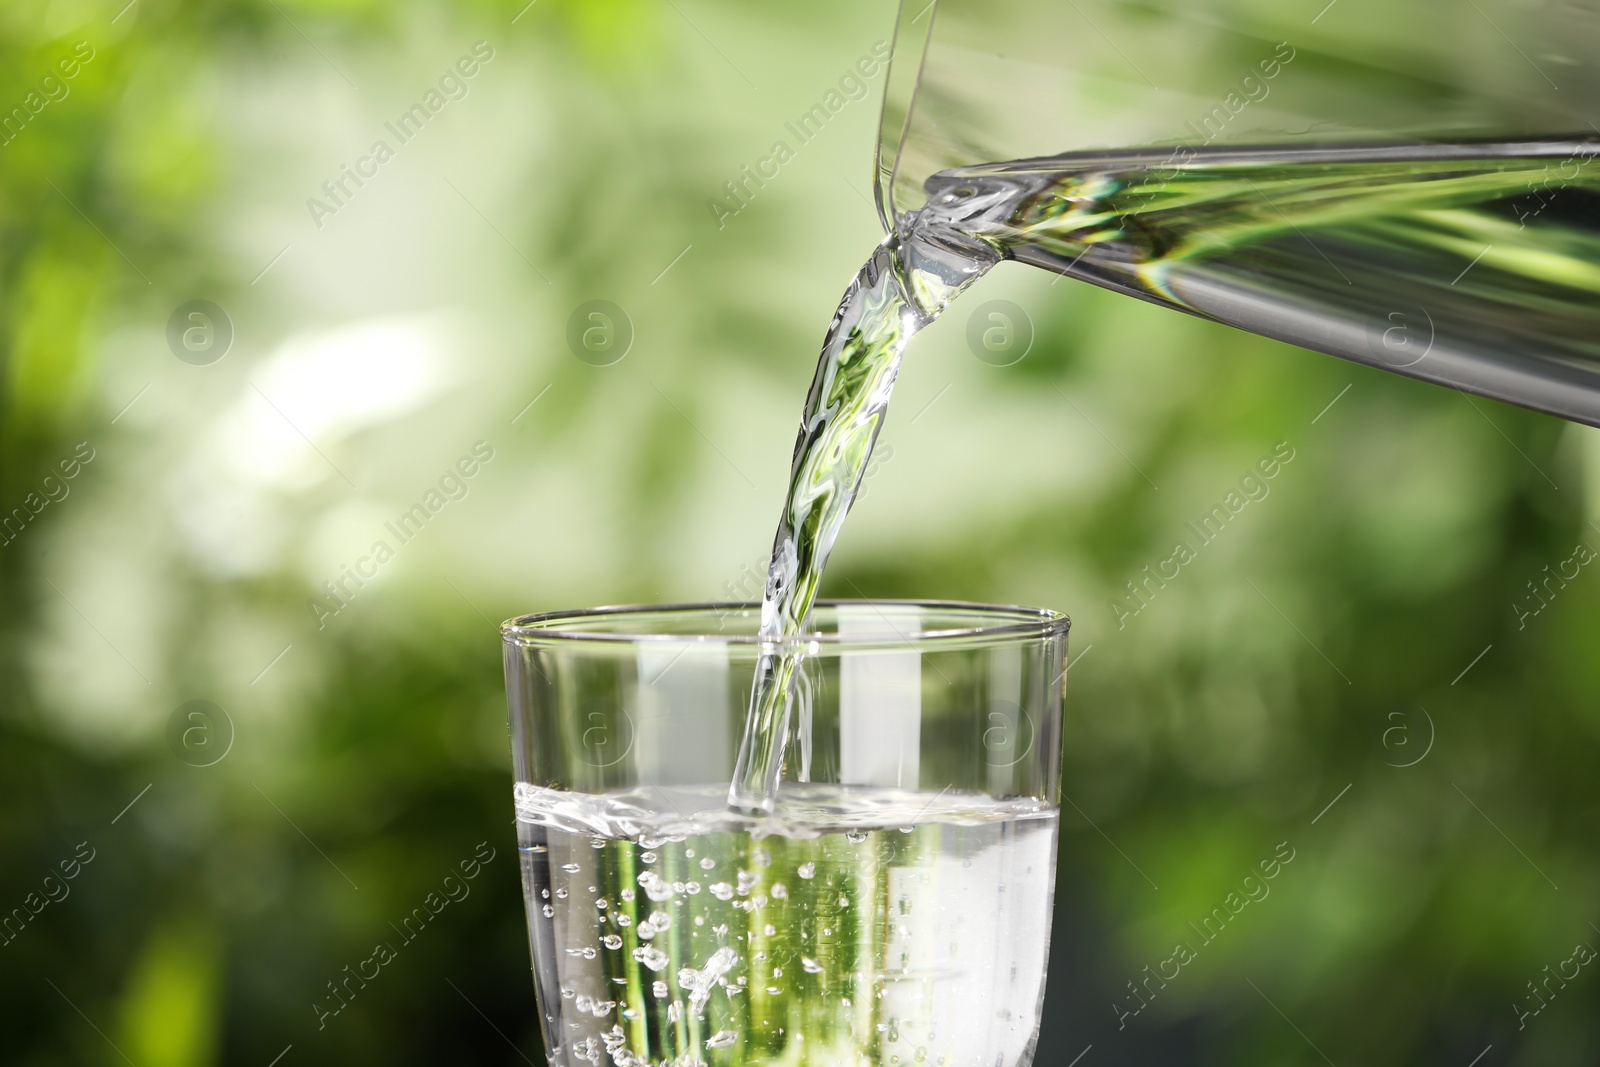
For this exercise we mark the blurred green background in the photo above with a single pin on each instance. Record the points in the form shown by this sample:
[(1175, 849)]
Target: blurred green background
[(182, 889)]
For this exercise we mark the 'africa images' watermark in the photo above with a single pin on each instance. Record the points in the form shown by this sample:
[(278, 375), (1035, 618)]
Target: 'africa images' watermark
[(1253, 88), (55, 890), (353, 577), (1253, 888), (1253, 487), (352, 979), (55, 489), (452, 86), (1552, 982), (852, 86), (52, 90), (1551, 584)]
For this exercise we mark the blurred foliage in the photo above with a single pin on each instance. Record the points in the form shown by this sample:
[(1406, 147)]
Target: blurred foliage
[(1372, 591)]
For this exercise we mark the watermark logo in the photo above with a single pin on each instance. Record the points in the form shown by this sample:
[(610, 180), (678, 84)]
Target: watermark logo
[(1010, 735), (599, 332), (199, 733), (199, 332), (999, 332), (606, 735), (1402, 338), (1408, 740)]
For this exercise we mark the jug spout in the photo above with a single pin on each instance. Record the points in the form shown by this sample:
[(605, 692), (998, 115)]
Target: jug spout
[(1315, 204)]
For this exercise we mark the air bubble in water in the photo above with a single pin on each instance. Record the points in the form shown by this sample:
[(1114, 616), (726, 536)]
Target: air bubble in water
[(780, 892), (598, 1008), (707, 863), (561, 894), (651, 957), (855, 837), (811, 966), (571, 868), (648, 857), (747, 882), (611, 941), (691, 888), (762, 857), (549, 912), (769, 930), (660, 920), (722, 1039), (658, 989), (700, 983), (655, 887), (807, 871), (722, 890), (626, 894)]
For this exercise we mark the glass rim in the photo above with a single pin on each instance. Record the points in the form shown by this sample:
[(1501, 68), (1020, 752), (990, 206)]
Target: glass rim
[(1012, 622)]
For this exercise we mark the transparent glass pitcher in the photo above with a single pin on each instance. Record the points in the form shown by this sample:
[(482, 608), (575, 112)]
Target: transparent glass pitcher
[(1414, 187)]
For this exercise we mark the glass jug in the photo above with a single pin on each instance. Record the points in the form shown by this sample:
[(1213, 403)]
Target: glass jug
[(1413, 187)]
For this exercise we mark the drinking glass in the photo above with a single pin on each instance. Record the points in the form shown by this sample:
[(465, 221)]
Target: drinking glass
[(895, 906)]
